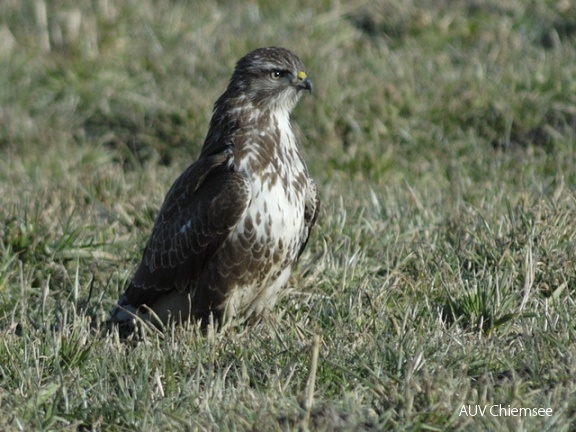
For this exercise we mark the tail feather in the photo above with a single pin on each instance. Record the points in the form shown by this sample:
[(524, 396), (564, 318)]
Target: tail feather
[(123, 318)]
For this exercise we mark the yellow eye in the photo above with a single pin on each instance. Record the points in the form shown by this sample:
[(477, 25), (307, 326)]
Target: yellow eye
[(275, 75)]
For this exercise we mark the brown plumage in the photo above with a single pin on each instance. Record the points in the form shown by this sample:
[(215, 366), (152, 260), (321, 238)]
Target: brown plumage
[(235, 221)]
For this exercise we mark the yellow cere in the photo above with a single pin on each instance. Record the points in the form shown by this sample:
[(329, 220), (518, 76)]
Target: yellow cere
[(302, 75)]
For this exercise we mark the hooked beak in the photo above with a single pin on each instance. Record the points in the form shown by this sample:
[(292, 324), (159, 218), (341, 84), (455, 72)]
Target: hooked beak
[(303, 82)]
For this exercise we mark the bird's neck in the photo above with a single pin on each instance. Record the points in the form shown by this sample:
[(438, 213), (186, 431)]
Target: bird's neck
[(249, 126)]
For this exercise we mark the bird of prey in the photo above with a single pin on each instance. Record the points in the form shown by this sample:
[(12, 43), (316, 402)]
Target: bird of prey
[(235, 222)]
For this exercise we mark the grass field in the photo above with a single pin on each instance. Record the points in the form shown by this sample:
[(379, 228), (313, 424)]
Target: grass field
[(440, 279)]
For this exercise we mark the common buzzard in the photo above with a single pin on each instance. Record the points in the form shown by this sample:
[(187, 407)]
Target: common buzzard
[(234, 223)]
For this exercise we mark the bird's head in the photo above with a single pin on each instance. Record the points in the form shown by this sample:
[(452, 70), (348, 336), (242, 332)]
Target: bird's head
[(272, 78)]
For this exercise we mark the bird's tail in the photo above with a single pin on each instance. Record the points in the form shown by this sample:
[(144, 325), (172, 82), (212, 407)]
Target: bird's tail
[(123, 318)]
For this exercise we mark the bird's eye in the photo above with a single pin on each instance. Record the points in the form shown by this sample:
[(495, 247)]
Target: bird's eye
[(276, 75)]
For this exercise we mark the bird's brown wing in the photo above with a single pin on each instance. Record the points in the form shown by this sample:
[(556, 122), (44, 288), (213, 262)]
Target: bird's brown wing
[(201, 208), (311, 210)]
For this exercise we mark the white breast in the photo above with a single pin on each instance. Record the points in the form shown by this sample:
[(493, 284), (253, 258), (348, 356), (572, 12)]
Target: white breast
[(277, 213)]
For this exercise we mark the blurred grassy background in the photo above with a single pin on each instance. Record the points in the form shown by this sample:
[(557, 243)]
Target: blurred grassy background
[(442, 135)]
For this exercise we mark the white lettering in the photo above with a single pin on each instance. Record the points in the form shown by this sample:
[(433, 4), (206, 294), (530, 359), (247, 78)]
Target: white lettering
[(473, 410), (527, 412), (504, 411)]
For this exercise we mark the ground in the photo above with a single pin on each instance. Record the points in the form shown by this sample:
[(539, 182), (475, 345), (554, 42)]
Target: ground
[(441, 273)]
